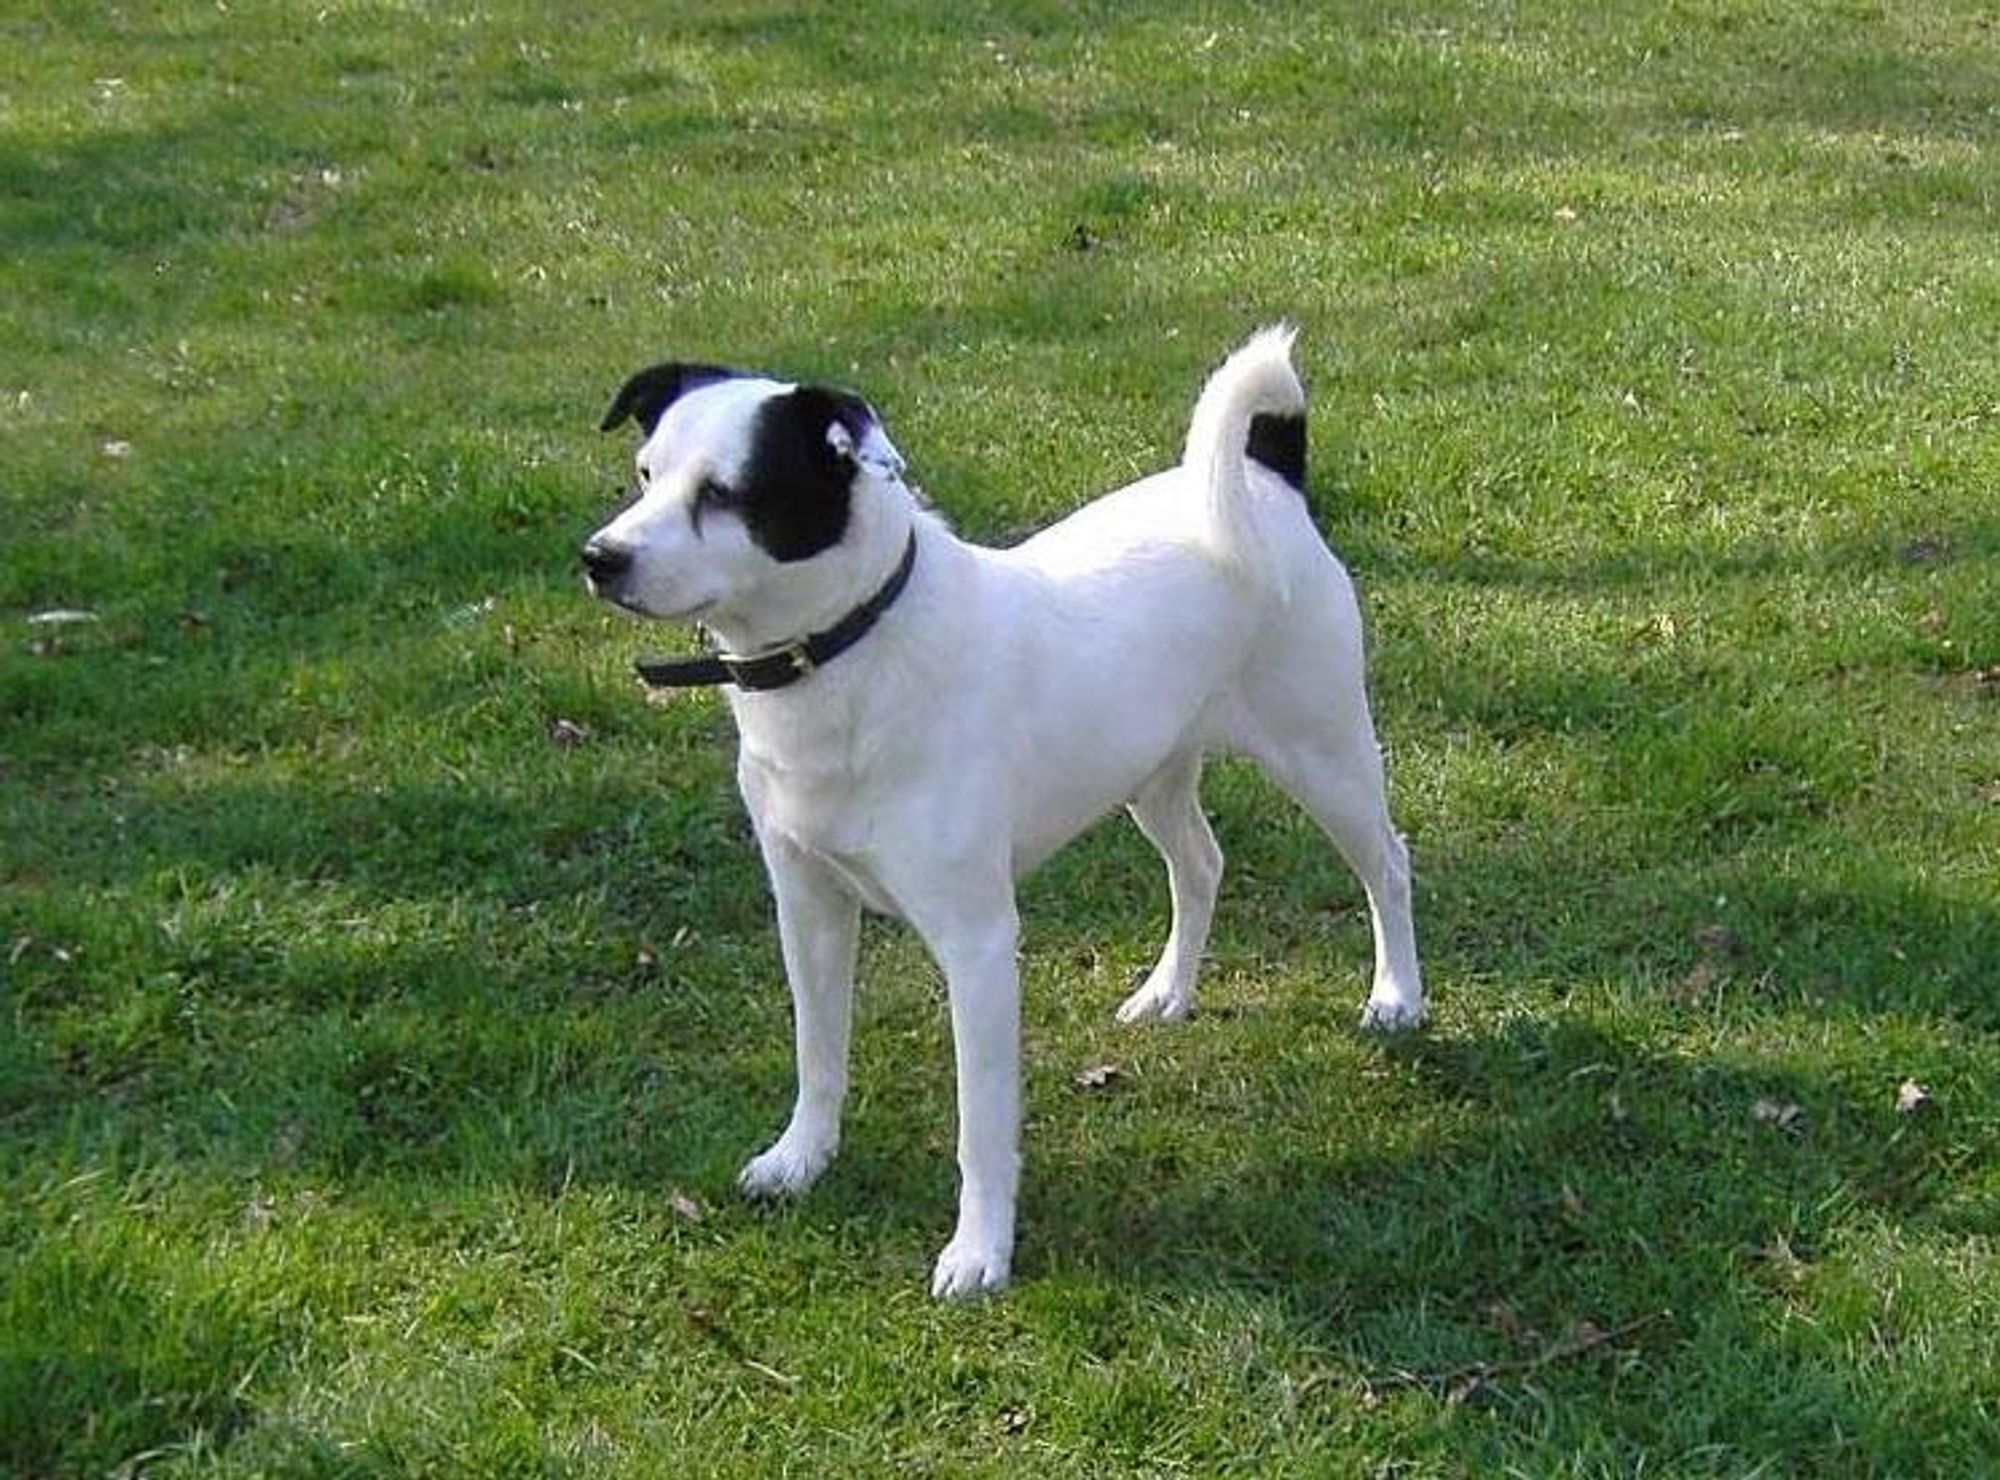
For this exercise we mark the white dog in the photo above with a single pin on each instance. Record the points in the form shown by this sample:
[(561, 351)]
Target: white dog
[(923, 720)]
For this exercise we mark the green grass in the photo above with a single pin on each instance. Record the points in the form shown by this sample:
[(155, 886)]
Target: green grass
[(374, 1067)]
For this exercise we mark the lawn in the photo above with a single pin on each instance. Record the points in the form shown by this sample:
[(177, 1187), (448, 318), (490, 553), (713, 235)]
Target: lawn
[(389, 989)]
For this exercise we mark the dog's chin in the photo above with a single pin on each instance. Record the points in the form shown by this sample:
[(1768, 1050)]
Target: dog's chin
[(646, 611), (683, 615)]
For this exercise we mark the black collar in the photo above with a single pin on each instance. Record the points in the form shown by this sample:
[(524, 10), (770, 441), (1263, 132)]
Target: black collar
[(792, 662)]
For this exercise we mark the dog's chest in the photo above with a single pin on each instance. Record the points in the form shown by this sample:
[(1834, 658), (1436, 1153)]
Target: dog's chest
[(822, 810), (826, 810)]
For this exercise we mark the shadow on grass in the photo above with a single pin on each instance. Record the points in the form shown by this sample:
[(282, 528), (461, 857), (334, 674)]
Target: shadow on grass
[(1592, 1184), (1556, 1172)]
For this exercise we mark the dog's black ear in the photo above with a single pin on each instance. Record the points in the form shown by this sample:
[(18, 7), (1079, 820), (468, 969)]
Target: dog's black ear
[(648, 394), (824, 408)]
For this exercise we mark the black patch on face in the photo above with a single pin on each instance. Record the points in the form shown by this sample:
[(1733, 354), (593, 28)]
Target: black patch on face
[(1279, 443), (648, 394), (794, 488)]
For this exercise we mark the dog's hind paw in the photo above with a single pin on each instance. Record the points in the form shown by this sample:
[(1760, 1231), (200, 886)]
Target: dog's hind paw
[(785, 1170), (966, 1269), (1391, 1015), (1156, 1001)]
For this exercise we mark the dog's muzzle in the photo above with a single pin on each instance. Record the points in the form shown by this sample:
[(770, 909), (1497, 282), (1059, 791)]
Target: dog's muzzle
[(605, 565)]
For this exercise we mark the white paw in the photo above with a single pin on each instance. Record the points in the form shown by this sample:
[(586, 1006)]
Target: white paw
[(968, 1268), (1392, 1014), (785, 1170), (1156, 1000)]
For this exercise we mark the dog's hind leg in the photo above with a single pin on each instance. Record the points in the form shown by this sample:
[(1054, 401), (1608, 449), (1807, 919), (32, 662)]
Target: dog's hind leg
[(819, 929), (1320, 747), (1168, 810)]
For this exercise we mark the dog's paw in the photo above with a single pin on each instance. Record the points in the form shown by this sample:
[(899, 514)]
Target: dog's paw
[(968, 1268), (1156, 1001), (786, 1170), (1391, 1015)]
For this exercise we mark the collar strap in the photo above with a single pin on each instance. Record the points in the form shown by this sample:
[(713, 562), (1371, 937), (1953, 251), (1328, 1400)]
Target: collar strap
[(786, 665)]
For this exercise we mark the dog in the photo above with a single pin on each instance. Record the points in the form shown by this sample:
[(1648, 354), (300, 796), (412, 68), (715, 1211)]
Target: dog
[(922, 720)]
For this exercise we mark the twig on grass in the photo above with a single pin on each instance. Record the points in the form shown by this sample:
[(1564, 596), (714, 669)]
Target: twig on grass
[(704, 1321), (1457, 1384)]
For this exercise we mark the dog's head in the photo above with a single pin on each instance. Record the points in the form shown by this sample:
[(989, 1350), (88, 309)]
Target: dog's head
[(738, 476)]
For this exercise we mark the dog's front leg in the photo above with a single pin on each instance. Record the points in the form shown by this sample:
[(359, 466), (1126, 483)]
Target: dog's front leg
[(974, 939), (982, 976), (819, 925)]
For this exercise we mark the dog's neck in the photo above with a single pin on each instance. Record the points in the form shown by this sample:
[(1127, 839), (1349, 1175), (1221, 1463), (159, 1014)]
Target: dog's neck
[(812, 595)]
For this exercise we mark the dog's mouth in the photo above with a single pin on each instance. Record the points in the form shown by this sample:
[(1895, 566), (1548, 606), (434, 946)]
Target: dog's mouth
[(628, 603)]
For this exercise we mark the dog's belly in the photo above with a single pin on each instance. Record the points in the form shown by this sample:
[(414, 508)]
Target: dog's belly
[(1068, 776), (1088, 749), (1068, 800)]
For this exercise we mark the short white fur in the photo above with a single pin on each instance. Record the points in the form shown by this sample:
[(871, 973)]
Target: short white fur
[(1008, 700)]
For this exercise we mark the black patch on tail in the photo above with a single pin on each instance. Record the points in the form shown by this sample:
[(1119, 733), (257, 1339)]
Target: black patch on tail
[(1279, 443)]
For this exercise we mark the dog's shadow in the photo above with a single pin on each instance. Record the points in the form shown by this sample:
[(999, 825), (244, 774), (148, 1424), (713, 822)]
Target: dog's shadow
[(1551, 1177)]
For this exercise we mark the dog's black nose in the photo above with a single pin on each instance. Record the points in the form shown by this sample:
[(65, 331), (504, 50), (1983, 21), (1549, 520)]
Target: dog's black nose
[(606, 563)]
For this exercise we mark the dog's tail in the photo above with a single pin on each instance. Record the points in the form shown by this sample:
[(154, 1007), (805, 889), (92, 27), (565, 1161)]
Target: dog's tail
[(1253, 407)]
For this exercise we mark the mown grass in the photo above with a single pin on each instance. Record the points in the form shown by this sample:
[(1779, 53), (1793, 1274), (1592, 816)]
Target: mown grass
[(376, 1064)]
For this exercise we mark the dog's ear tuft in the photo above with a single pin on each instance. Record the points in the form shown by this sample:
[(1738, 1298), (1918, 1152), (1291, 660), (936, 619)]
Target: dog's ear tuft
[(647, 395)]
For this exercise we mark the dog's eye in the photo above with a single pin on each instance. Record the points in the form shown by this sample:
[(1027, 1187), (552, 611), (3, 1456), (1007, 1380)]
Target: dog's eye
[(708, 494)]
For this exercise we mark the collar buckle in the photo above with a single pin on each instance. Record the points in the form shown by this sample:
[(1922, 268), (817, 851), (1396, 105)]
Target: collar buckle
[(801, 659), (772, 670)]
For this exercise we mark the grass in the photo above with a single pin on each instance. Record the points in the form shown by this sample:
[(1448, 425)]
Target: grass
[(375, 1065)]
